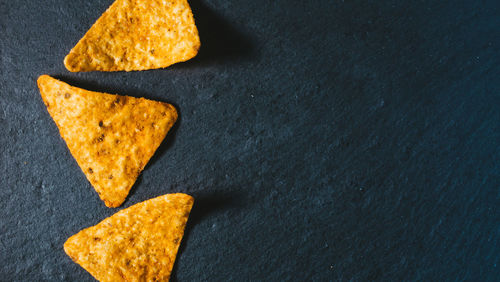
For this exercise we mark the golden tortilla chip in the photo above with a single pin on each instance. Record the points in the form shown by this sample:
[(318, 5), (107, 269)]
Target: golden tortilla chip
[(139, 243), (111, 137), (137, 35)]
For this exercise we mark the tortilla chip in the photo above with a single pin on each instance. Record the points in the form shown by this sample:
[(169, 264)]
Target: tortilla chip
[(111, 137), (137, 35), (139, 243)]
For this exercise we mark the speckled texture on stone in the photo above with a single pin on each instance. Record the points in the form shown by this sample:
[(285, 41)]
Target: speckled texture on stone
[(322, 140)]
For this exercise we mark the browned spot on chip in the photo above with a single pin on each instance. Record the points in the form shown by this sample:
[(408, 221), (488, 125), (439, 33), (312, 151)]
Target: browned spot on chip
[(120, 39), (67, 95), (129, 236), (100, 138), (116, 149)]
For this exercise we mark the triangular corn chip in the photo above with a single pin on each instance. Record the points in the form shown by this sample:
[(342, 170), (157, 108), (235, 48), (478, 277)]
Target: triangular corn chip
[(137, 35), (111, 137), (139, 243)]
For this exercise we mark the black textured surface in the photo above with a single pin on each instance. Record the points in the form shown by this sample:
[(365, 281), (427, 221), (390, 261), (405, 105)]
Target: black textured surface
[(323, 140)]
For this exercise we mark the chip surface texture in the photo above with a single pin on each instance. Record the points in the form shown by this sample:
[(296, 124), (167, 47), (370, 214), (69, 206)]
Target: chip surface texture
[(111, 137), (137, 35), (139, 243)]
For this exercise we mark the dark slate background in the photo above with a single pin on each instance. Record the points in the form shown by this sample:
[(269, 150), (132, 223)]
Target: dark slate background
[(322, 140)]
